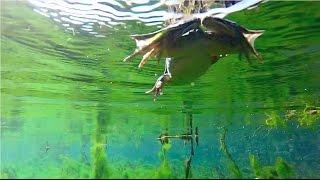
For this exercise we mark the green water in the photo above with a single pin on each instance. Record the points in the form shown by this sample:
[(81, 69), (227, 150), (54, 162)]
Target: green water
[(70, 108)]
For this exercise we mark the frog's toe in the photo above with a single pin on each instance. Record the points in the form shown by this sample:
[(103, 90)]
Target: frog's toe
[(158, 86)]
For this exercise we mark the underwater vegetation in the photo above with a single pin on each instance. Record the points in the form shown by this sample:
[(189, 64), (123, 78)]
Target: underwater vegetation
[(100, 164), (8, 173), (280, 170), (164, 171), (308, 117), (274, 120), (100, 170), (74, 168)]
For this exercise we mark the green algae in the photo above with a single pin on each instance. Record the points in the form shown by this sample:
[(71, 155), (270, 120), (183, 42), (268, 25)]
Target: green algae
[(280, 170), (274, 120), (74, 169), (308, 117), (164, 171), (99, 139)]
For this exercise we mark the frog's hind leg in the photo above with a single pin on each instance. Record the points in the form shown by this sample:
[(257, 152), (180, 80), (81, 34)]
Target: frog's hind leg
[(155, 51), (162, 80)]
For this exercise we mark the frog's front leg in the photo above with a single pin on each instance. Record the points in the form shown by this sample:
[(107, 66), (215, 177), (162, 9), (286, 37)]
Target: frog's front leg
[(162, 80)]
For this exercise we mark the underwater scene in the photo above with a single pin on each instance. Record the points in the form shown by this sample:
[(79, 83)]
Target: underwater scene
[(160, 89)]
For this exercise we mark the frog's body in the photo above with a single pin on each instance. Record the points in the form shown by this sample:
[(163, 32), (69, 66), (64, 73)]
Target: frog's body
[(191, 47)]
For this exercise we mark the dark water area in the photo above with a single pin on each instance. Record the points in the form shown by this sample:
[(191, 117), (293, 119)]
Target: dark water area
[(70, 108)]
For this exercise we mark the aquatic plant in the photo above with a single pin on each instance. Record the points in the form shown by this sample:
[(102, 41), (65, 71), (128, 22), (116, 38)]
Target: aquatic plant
[(274, 120), (308, 117), (100, 167), (8, 173), (73, 168), (164, 171), (280, 169), (99, 162)]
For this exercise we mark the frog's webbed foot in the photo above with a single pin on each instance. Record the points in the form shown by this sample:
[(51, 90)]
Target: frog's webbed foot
[(158, 86)]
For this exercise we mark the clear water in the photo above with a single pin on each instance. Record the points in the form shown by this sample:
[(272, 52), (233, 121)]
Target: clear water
[(70, 108)]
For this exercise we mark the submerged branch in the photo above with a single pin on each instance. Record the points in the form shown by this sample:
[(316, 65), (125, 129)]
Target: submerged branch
[(234, 167)]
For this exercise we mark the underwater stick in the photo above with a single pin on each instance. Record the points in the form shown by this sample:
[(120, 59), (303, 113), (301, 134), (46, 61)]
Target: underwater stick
[(188, 166), (223, 146)]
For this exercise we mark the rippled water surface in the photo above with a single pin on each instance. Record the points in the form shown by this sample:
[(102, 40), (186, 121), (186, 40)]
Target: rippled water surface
[(70, 108)]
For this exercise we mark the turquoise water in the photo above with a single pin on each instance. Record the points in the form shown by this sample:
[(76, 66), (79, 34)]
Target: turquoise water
[(71, 108)]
